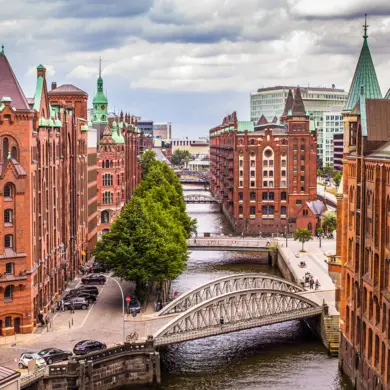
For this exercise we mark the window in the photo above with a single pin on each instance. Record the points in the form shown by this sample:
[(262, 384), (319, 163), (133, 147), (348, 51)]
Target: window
[(265, 163), (265, 173), (271, 173), (295, 158), (271, 184), (8, 241), (283, 210), (241, 163), (298, 202), (267, 210), (284, 173), (240, 210), (241, 173), (107, 164), (283, 183), (302, 178), (252, 183), (302, 189), (103, 164), (253, 163), (105, 217), (14, 153), (7, 216), (268, 153), (107, 180), (302, 147), (265, 184), (284, 163), (283, 196), (252, 141), (241, 196), (305, 213), (107, 197), (253, 196), (8, 293), (252, 210), (241, 183), (302, 167), (8, 191), (8, 322), (252, 173), (9, 268)]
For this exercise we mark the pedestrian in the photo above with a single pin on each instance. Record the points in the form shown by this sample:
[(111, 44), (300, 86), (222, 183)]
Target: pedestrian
[(317, 283), (221, 322), (311, 283), (62, 305), (72, 308), (303, 282)]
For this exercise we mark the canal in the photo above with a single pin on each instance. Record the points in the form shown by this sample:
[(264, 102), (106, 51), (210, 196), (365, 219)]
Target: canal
[(277, 357)]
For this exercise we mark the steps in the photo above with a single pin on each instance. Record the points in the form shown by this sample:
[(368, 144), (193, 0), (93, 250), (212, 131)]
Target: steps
[(332, 333)]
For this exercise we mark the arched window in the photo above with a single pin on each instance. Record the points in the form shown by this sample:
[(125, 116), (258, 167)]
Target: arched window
[(107, 180), (8, 293), (14, 152), (5, 148), (107, 197), (9, 268), (8, 241), (310, 226), (8, 216), (8, 191), (105, 217), (252, 141)]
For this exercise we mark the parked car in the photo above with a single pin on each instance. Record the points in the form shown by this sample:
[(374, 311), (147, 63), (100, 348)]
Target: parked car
[(94, 279), (78, 303), (91, 298), (89, 289), (134, 305), (27, 356), (87, 346), (99, 268), (51, 355)]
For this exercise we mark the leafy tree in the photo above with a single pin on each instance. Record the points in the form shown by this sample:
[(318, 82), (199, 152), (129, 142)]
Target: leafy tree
[(180, 156), (329, 221), (320, 231), (148, 158), (302, 235), (337, 176)]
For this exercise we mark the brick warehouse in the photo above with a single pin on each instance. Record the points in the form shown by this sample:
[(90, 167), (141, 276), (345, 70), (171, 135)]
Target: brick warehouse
[(363, 231), (266, 173)]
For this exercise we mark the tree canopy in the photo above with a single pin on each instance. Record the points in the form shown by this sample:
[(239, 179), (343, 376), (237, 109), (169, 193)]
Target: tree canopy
[(329, 221), (302, 235), (180, 156), (147, 242)]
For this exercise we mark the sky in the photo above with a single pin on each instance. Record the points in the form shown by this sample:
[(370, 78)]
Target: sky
[(192, 62)]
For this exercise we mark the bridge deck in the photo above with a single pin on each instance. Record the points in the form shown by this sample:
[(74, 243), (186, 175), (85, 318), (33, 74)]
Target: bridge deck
[(229, 243)]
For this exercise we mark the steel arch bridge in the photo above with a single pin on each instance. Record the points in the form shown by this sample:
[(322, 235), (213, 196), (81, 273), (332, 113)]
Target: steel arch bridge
[(225, 285), (240, 310), (200, 198)]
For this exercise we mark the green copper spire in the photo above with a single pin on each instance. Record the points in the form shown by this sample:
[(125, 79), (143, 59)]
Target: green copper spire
[(100, 101), (365, 76)]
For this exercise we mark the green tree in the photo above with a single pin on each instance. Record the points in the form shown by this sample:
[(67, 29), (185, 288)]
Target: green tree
[(329, 221), (302, 235), (180, 156), (337, 176), (148, 158)]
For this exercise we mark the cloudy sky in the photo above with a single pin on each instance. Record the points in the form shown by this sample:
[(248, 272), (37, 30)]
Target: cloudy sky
[(192, 61)]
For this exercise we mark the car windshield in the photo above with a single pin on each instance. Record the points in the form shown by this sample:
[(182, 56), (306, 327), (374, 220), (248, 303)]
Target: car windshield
[(44, 352), (35, 356)]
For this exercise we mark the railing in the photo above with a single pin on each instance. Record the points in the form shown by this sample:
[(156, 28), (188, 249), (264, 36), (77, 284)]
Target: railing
[(31, 377), (230, 242)]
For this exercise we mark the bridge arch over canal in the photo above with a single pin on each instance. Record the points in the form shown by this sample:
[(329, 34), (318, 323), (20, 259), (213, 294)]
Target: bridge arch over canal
[(201, 198), (240, 310), (228, 284)]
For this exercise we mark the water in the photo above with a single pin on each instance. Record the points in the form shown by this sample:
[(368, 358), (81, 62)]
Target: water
[(277, 357)]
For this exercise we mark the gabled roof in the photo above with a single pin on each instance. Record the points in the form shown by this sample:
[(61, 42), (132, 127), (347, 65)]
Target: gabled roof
[(298, 108), (289, 103), (9, 85), (67, 89), (6, 375), (262, 121), (365, 76), (316, 206)]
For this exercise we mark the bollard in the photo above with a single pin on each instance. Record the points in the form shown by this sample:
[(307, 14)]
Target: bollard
[(72, 321), (69, 325)]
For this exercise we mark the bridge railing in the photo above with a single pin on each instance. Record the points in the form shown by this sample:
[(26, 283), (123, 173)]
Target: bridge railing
[(31, 377), (231, 242)]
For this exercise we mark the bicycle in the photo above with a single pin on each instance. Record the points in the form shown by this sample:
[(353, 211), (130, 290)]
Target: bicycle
[(132, 336)]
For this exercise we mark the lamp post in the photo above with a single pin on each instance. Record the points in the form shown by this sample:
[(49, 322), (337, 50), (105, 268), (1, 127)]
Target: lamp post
[(285, 232), (123, 308)]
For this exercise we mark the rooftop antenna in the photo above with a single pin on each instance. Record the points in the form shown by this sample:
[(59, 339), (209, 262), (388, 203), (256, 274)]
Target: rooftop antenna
[(100, 66)]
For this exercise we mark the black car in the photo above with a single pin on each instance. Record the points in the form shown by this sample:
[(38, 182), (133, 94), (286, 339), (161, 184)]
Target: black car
[(98, 268), (91, 298), (78, 303), (51, 355), (89, 289), (87, 346), (94, 279), (134, 305)]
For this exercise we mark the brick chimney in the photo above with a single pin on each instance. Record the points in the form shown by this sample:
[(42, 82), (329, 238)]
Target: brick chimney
[(53, 85), (41, 71)]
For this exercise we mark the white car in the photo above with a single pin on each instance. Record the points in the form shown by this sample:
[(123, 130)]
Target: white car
[(27, 356)]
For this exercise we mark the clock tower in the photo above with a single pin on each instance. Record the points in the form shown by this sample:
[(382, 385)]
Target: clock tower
[(100, 112)]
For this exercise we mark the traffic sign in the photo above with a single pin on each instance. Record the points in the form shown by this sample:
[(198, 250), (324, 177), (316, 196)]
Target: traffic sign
[(128, 299)]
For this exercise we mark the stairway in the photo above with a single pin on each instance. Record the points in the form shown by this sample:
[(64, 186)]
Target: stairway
[(331, 330)]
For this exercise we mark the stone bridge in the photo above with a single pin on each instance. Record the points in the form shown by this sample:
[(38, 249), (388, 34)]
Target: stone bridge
[(201, 198), (230, 244)]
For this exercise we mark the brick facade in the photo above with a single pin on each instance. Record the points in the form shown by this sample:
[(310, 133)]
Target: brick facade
[(265, 173)]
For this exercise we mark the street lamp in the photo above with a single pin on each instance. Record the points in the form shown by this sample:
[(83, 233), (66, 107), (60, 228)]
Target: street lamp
[(123, 308), (285, 232)]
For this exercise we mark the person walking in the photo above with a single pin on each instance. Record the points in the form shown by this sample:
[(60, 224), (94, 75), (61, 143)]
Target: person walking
[(72, 308), (317, 283), (303, 282), (311, 283), (221, 322)]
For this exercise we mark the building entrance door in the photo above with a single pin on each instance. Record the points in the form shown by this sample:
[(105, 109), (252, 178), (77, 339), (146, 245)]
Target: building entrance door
[(17, 325)]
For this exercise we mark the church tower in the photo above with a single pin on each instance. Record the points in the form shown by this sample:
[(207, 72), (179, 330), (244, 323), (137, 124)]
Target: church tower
[(100, 110)]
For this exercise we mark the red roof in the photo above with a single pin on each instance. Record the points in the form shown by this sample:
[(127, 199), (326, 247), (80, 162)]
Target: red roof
[(67, 89), (9, 85)]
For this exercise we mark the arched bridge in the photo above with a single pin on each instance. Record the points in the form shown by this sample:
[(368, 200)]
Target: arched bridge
[(240, 310), (226, 285), (200, 198)]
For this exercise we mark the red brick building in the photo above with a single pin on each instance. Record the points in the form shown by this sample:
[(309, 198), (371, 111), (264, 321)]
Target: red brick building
[(265, 173), (43, 196), (363, 231)]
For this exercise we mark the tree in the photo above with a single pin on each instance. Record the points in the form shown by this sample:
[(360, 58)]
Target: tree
[(180, 156), (302, 235), (329, 221), (337, 176), (148, 158)]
